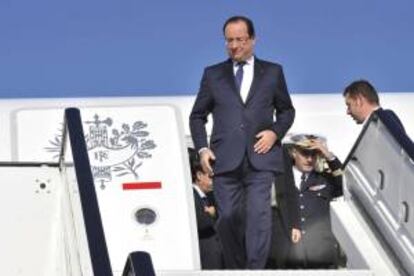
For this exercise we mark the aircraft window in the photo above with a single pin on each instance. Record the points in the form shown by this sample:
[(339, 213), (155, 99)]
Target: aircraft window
[(145, 216)]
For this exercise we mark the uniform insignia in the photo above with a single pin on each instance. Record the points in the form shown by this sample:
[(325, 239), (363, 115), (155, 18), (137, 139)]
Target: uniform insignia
[(317, 187)]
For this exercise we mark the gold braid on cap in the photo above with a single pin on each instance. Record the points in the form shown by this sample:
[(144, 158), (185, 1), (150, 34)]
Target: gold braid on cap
[(303, 144)]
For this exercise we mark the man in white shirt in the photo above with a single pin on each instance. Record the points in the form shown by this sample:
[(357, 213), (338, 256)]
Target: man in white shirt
[(244, 95), (361, 100), (315, 183), (211, 256)]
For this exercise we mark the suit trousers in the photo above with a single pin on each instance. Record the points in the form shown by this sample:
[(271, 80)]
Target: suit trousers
[(244, 224)]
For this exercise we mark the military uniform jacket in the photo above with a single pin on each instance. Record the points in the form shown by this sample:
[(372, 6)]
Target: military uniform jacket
[(318, 246)]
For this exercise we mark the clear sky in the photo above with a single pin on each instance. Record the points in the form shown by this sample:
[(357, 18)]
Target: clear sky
[(56, 48)]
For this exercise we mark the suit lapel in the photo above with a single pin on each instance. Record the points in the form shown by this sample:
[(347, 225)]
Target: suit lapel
[(197, 197), (257, 77), (229, 79)]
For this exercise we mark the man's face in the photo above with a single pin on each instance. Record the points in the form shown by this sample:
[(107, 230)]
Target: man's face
[(304, 160), (204, 181), (354, 108), (239, 44)]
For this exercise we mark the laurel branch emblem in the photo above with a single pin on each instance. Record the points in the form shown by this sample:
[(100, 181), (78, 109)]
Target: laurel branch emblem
[(112, 151)]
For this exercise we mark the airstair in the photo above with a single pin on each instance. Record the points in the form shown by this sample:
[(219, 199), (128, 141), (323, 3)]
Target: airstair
[(108, 204), (375, 221)]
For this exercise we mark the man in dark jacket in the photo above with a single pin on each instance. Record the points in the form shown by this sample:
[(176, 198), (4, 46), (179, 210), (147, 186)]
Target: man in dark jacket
[(315, 174), (251, 111), (211, 255), (361, 100)]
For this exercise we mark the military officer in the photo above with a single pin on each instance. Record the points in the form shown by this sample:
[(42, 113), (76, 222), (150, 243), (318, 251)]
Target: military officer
[(316, 176)]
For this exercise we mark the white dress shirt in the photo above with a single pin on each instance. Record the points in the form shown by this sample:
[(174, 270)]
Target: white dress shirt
[(248, 70), (366, 119), (297, 175), (199, 191)]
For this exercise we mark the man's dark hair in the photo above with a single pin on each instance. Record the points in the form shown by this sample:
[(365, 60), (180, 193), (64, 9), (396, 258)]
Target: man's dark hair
[(363, 88), (195, 164), (247, 21)]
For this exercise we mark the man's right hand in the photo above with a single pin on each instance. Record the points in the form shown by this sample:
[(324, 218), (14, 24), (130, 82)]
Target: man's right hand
[(206, 158), (296, 235), (210, 210)]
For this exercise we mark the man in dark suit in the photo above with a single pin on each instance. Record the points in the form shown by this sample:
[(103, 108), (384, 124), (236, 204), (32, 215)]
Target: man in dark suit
[(316, 184), (243, 94), (285, 216), (211, 256), (361, 100)]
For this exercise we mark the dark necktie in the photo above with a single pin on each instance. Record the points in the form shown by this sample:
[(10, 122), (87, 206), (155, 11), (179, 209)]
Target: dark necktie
[(205, 201), (239, 74), (302, 180)]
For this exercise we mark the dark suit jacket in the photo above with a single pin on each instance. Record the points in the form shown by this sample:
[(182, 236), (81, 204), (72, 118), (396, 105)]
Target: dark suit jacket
[(287, 195), (209, 244), (395, 126), (235, 124), (318, 246), (285, 215), (205, 223)]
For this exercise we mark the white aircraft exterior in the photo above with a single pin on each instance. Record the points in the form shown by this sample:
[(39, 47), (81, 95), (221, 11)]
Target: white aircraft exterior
[(324, 114), (36, 216)]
